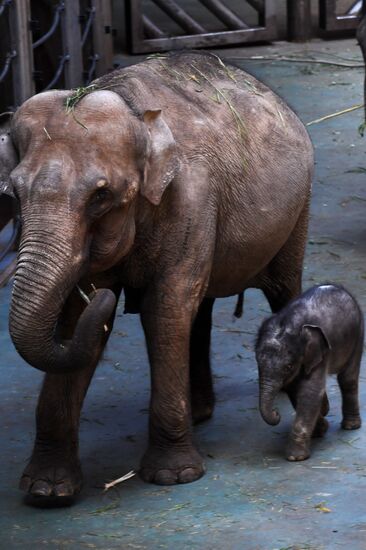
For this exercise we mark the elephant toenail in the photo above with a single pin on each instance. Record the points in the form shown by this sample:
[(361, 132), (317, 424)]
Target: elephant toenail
[(188, 475), (64, 489), (165, 477), (41, 488)]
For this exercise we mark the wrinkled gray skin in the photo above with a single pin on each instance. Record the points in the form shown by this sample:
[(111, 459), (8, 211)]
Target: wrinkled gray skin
[(319, 333), (179, 180)]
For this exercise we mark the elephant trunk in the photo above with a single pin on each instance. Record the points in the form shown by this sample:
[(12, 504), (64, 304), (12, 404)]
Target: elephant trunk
[(43, 282), (268, 393)]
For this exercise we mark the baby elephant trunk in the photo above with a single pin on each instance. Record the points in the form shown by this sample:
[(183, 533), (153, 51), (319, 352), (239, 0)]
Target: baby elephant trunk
[(268, 393)]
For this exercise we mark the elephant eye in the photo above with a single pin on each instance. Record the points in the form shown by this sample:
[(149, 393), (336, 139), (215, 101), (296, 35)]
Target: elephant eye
[(100, 202), (101, 195)]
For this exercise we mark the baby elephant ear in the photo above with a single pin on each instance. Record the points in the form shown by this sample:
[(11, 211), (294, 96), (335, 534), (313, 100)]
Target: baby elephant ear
[(162, 160), (316, 346), (8, 154)]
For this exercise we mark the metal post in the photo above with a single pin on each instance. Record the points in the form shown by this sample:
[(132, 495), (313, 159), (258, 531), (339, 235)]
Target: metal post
[(71, 37), (299, 20), (102, 36), (22, 65)]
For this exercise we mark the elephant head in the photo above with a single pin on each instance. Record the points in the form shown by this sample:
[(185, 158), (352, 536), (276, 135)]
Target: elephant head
[(80, 178), (282, 355)]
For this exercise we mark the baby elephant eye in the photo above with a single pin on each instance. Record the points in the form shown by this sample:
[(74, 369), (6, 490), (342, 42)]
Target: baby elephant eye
[(288, 368)]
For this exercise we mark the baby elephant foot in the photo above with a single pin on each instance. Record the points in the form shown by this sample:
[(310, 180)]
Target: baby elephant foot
[(351, 422), (51, 477), (168, 467), (297, 451), (321, 427)]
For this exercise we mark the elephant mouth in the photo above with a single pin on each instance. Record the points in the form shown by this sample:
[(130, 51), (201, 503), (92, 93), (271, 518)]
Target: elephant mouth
[(51, 332)]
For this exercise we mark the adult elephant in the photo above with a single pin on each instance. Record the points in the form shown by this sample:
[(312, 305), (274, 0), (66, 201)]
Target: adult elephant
[(179, 179)]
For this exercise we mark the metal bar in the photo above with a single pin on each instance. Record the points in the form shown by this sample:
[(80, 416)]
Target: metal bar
[(71, 37), (207, 40), (299, 20), (150, 29), (22, 64), (8, 59), (102, 36), (180, 16), (92, 67), (53, 27), (4, 4), (222, 12), (330, 21), (134, 26), (88, 25), (258, 5), (355, 9)]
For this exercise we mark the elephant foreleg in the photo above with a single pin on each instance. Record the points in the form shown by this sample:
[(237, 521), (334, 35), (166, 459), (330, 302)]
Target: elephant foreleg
[(202, 393), (54, 468), (167, 315), (321, 426)]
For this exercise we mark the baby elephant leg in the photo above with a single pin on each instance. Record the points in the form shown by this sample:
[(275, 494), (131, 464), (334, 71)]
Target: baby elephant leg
[(322, 424), (309, 401), (348, 382)]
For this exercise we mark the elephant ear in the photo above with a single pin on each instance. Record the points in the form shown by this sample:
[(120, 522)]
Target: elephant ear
[(316, 346), (8, 154), (162, 160)]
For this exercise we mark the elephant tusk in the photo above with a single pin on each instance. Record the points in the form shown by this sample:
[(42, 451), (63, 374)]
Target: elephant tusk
[(87, 300)]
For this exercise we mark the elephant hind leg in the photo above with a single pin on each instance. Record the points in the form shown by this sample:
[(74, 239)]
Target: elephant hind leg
[(54, 471), (281, 280), (202, 394)]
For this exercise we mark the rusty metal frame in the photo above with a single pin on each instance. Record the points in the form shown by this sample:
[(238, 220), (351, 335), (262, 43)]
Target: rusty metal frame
[(330, 21), (143, 36)]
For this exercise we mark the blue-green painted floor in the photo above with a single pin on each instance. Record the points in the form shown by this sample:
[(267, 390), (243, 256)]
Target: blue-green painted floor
[(250, 497)]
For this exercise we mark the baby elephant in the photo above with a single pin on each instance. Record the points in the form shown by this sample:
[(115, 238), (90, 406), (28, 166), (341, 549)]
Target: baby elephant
[(319, 333)]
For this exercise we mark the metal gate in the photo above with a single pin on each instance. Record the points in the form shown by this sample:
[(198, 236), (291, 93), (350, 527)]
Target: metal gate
[(158, 25), (339, 15), (52, 43)]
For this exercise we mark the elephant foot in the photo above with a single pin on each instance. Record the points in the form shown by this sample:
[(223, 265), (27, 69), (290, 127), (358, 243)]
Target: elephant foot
[(168, 467), (297, 452), (51, 478), (351, 422), (321, 427)]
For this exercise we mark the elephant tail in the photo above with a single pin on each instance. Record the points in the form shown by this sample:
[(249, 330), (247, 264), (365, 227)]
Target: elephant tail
[(239, 306)]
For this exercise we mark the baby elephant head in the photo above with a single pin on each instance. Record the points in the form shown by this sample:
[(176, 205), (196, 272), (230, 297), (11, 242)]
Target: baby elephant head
[(282, 355)]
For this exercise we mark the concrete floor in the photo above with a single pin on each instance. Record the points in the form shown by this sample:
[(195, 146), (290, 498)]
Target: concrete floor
[(250, 497)]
